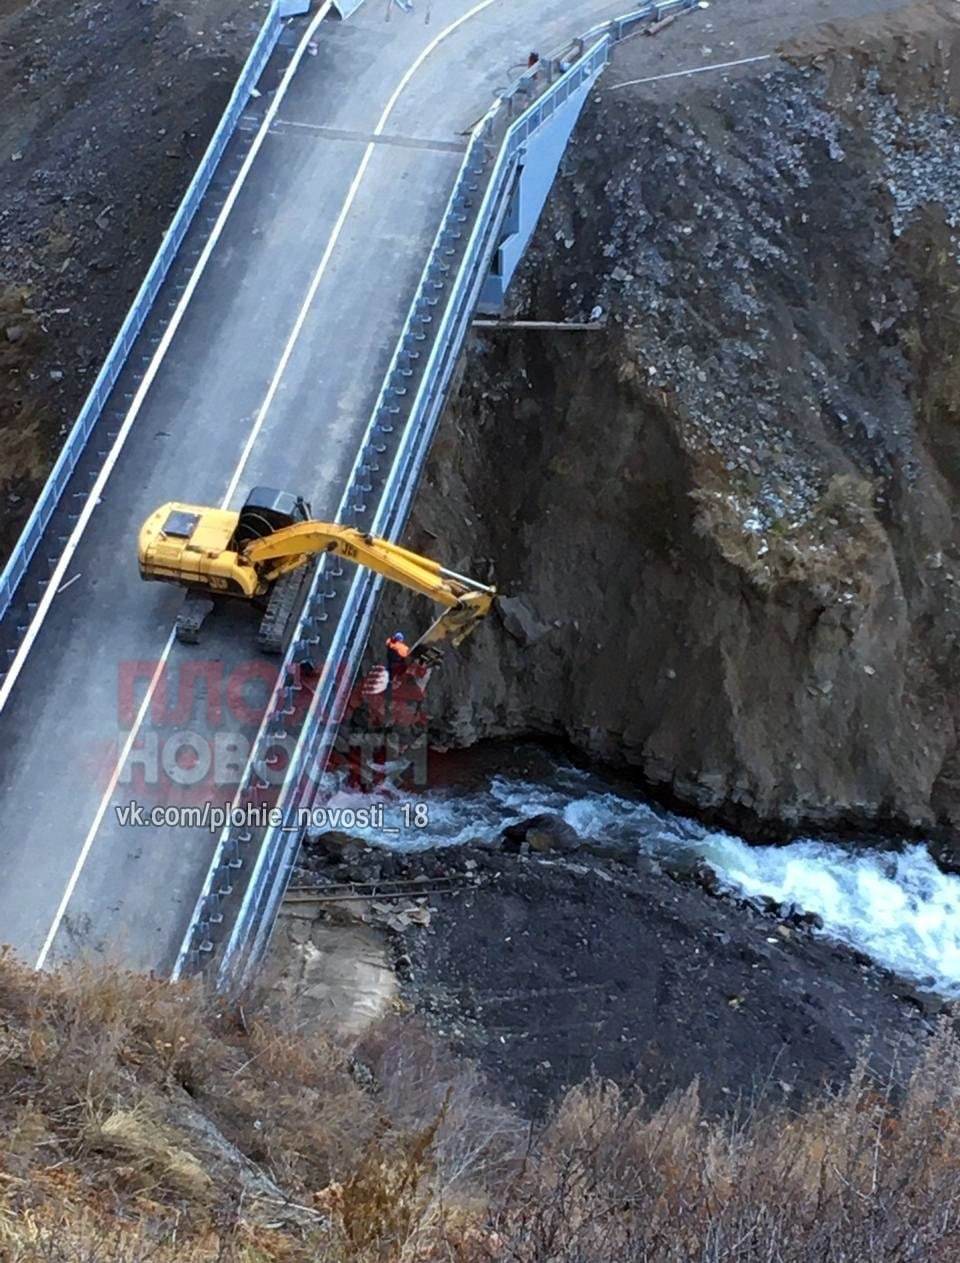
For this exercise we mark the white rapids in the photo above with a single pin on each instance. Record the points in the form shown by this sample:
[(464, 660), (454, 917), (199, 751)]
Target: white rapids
[(898, 907)]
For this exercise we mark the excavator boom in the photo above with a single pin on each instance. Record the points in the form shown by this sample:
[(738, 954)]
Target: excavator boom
[(466, 600), (261, 553), (294, 545)]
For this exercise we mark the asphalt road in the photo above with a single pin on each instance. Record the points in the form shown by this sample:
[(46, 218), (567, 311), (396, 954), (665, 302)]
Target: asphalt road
[(270, 378)]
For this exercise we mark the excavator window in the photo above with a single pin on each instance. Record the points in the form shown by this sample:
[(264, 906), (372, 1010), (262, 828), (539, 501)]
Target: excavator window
[(266, 511)]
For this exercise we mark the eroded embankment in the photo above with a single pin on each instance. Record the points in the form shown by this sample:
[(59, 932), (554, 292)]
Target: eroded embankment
[(730, 514)]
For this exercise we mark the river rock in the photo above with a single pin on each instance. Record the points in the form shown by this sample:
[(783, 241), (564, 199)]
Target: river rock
[(929, 1004), (543, 832), (706, 878), (337, 847), (607, 848)]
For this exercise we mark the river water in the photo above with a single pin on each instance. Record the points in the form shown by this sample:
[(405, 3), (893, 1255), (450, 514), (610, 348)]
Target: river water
[(896, 906)]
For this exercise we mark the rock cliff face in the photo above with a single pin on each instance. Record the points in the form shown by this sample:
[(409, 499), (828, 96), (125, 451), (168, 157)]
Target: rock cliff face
[(728, 518)]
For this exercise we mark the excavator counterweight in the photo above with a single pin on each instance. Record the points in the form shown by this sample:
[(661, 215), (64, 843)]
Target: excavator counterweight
[(264, 554)]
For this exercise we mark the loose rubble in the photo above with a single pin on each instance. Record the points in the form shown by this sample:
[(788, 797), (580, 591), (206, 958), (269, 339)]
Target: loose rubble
[(546, 964)]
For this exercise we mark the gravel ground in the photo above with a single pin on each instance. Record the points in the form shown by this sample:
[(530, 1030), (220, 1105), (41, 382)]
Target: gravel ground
[(545, 968)]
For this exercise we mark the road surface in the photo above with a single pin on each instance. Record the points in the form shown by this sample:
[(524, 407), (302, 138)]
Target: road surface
[(270, 379)]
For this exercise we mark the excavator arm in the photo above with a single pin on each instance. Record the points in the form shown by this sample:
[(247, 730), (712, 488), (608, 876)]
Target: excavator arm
[(466, 601), (255, 554)]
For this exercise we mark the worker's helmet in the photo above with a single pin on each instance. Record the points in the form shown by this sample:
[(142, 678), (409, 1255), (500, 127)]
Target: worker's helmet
[(398, 636)]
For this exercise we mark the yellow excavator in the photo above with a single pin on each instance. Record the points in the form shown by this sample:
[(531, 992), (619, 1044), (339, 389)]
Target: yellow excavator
[(264, 554)]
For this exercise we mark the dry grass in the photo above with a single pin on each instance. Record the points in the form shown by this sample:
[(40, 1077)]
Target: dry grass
[(853, 1177), (141, 1121), (132, 1108)]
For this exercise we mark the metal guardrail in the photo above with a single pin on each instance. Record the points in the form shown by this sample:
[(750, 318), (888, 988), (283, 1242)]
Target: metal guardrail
[(525, 86), (243, 889), (76, 440), (240, 884), (619, 28)]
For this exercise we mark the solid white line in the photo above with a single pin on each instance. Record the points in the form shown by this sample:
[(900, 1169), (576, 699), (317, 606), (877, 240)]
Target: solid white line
[(335, 236), (248, 448), (104, 804), (93, 499), (697, 70), (94, 496)]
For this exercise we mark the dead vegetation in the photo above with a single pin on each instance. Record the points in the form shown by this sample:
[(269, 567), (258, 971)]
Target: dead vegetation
[(826, 547), (145, 1121)]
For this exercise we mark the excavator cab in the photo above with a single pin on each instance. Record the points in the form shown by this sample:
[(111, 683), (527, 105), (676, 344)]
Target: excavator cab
[(266, 511)]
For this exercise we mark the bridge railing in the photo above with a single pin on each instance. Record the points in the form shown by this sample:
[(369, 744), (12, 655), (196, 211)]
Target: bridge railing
[(246, 880), (244, 887), (247, 874), (76, 440)]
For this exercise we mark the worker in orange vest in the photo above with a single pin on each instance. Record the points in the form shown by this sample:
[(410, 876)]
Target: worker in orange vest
[(397, 652)]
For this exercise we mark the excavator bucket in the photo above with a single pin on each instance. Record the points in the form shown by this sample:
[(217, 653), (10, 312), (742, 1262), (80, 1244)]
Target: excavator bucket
[(453, 625)]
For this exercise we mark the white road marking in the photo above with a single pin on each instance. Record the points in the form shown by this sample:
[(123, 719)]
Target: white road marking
[(248, 446), (104, 804), (697, 70), (90, 504), (93, 499), (335, 234)]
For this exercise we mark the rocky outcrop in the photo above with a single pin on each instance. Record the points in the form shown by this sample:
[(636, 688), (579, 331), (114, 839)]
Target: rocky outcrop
[(726, 521)]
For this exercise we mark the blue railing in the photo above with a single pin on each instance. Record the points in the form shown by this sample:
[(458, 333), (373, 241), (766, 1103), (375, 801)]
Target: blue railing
[(248, 875), (438, 319), (76, 441)]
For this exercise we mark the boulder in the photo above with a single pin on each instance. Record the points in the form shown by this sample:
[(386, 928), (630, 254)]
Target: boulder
[(519, 621), (704, 876), (337, 847), (543, 832)]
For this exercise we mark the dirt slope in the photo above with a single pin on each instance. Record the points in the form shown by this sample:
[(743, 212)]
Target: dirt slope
[(731, 513), (106, 109)]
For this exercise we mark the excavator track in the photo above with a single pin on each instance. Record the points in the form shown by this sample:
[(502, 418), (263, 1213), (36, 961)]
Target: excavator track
[(192, 614), (281, 610)]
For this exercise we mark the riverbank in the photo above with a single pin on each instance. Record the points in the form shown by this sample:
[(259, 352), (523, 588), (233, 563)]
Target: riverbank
[(612, 947)]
